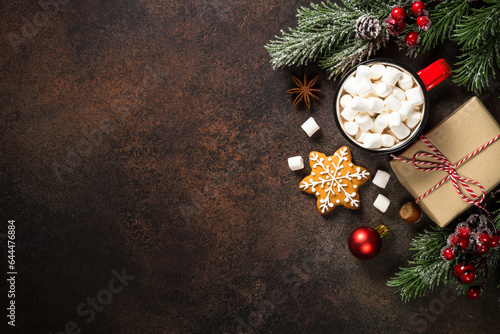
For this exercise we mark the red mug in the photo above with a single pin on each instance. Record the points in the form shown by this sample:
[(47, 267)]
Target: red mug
[(426, 79)]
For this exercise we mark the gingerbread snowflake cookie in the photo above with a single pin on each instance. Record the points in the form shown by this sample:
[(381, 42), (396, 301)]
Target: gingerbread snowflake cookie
[(334, 180)]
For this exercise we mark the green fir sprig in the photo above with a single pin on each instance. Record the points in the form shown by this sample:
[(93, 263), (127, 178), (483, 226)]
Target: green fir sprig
[(428, 270), (326, 33)]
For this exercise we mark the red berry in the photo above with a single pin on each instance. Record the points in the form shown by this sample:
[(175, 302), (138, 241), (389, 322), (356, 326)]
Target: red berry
[(463, 243), (398, 13), (461, 267), (463, 230), (423, 22), (448, 254), (474, 292), (412, 38), (467, 276), (482, 249), (418, 7), (394, 28), (494, 241), (483, 237), (452, 239)]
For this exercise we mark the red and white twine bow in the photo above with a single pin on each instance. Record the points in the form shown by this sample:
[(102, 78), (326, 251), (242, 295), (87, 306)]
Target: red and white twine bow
[(445, 165)]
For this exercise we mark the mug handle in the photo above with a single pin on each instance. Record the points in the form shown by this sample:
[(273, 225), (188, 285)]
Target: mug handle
[(435, 73)]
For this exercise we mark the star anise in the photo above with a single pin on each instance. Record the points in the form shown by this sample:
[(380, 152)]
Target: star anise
[(304, 90)]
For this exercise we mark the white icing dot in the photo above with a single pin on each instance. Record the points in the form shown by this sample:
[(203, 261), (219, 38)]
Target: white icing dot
[(338, 201), (329, 159), (355, 186), (350, 164), (317, 194), (313, 174), (346, 199), (328, 183), (327, 176), (339, 174)]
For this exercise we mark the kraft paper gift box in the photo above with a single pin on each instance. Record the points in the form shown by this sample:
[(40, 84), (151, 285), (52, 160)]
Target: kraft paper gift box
[(465, 130)]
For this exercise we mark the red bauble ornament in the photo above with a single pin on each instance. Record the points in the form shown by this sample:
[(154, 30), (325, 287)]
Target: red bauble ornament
[(418, 8), (365, 242), (494, 241), (398, 13), (463, 230), (467, 276), (461, 267), (447, 253), (474, 292), (423, 22), (412, 38), (481, 249), (463, 243)]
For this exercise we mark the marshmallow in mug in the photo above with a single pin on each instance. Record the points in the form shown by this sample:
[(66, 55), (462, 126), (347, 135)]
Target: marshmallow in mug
[(380, 105)]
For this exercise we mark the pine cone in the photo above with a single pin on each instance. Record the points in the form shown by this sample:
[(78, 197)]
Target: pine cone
[(367, 27)]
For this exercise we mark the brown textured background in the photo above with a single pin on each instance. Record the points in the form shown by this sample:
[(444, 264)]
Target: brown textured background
[(191, 193)]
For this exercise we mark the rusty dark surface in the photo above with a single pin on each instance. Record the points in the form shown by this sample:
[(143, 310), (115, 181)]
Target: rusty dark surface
[(189, 189)]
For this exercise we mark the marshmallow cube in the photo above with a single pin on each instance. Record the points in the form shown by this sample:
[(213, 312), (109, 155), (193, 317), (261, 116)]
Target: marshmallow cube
[(296, 163), (381, 179), (351, 128), (365, 87), (364, 121), (310, 126), (401, 131), (383, 90), (391, 75), (359, 104), (377, 71), (387, 140), (345, 100), (414, 95), (406, 109), (381, 203), (406, 81), (363, 72), (375, 105), (348, 114), (350, 85), (395, 119), (392, 102), (372, 140), (382, 120), (399, 93), (414, 119), (376, 129), (360, 136)]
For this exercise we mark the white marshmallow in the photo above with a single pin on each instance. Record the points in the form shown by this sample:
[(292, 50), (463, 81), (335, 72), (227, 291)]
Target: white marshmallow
[(359, 104), (351, 128), (372, 140), (365, 87), (310, 126), (382, 89), (414, 119), (395, 119), (406, 81), (414, 95), (296, 163), (363, 71), (350, 85), (387, 140), (406, 109), (381, 179), (392, 102), (349, 114), (399, 93), (382, 120), (360, 136), (364, 121), (381, 203), (401, 131), (377, 71), (376, 129), (391, 75), (375, 105), (345, 100)]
